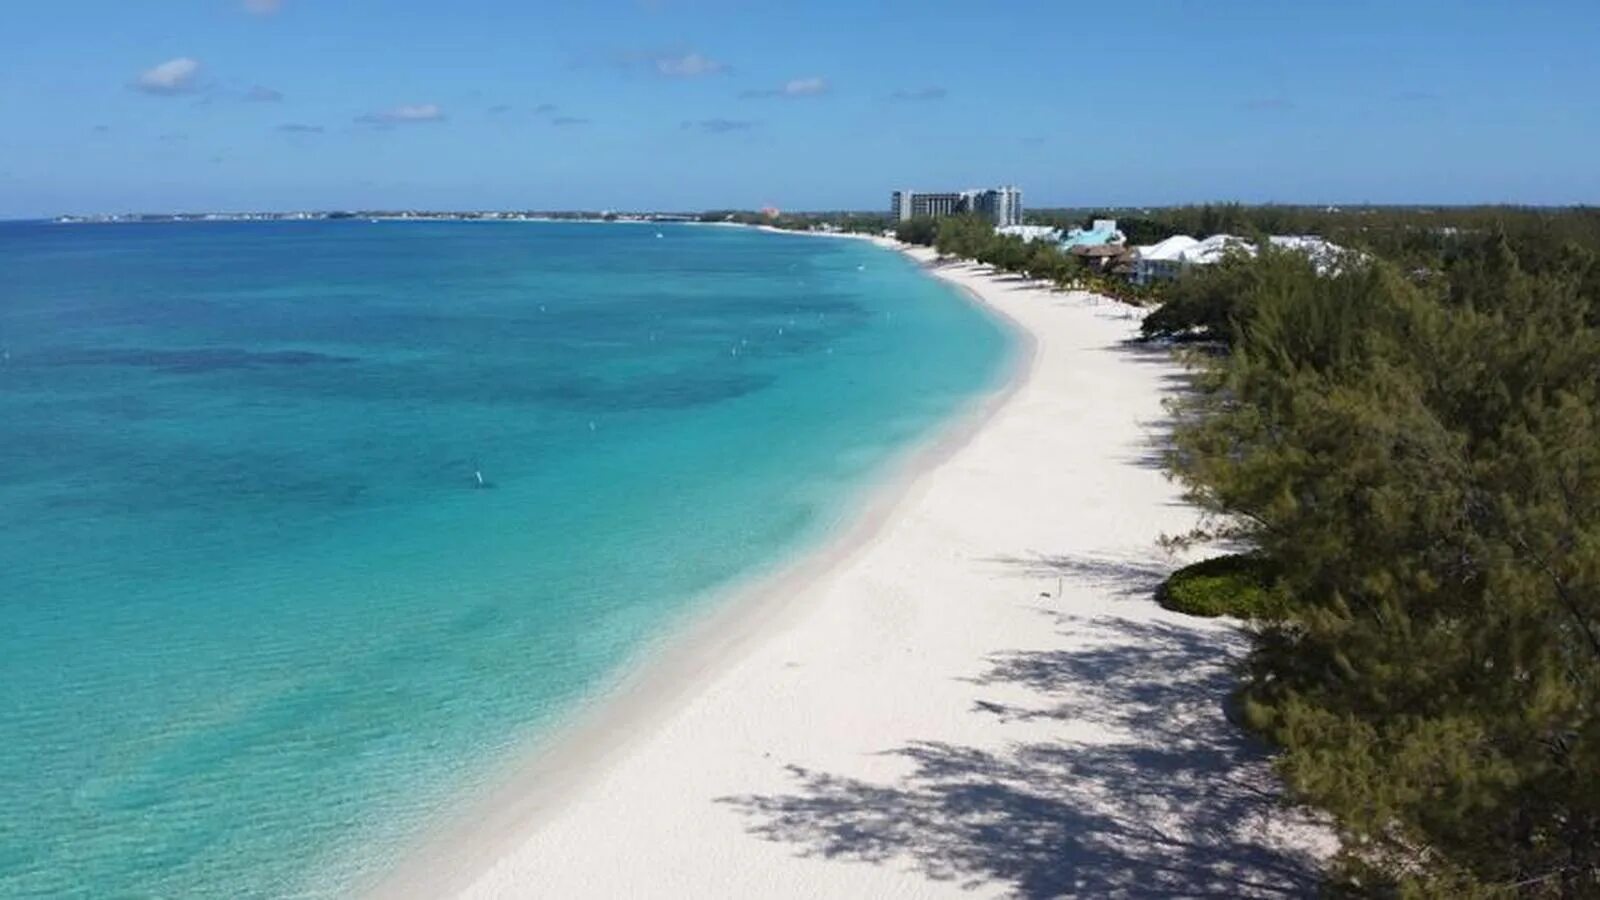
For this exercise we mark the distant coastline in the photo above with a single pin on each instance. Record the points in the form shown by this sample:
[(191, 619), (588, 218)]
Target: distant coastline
[(372, 215)]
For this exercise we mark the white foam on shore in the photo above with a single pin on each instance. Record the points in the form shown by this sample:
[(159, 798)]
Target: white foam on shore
[(969, 690)]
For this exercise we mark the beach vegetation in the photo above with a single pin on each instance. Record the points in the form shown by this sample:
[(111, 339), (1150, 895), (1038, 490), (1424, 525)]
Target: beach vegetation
[(1241, 585), (1210, 303), (922, 231), (964, 236), (1414, 443)]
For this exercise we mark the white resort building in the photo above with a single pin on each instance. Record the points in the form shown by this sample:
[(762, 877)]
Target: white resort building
[(1168, 258), (1002, 205), (1031, 233)]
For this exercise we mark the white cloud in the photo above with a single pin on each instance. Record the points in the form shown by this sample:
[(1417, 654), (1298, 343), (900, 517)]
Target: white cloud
[(805, 87), (421, 112), (262, 7), (688, 65), (175, 76), (933, 92), (794, 87), (719, 126)]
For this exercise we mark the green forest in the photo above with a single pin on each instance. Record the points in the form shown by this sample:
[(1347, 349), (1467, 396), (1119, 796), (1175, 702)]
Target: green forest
[(1406, 448), (1410, 444)]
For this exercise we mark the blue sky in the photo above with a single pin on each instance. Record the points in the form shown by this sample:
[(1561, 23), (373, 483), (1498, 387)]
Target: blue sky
[(110, 105)]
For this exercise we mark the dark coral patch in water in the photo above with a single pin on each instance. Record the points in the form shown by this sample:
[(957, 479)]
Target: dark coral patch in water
[(204, 359), (679, 392)]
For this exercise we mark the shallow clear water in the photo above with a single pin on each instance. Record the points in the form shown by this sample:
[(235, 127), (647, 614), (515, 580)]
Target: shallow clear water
[(254, 611)]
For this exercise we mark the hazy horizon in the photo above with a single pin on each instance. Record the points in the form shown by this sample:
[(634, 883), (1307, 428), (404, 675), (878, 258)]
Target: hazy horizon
[(641, 210)]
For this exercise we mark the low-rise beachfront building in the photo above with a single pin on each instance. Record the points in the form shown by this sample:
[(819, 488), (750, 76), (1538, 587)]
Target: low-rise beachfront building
[(1002, 205), (1162, 260), (1167, 259), (1031, 233), (1324, 254), (1101, 257), (1212, 250), (1100, 233)]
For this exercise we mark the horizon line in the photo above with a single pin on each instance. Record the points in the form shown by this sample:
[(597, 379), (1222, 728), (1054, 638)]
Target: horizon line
[(646, 211)]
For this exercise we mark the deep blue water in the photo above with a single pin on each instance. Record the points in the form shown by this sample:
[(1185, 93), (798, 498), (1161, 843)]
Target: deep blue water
[(258, 624)]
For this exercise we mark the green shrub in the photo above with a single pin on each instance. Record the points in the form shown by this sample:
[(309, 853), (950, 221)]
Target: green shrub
[(1239, 585)]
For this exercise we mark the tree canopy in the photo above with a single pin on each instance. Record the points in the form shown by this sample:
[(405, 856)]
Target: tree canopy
[(1418, 454), (921, 230)]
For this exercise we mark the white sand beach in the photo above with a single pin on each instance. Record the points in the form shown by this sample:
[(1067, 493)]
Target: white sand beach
[(970, 693)]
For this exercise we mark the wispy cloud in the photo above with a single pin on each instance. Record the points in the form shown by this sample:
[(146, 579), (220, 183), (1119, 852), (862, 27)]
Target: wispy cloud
[(262, 7), (404, 115), (795, 87), (298, 128), (719, 126), (671, 61), (102, 129), (916, 95), (175, 76), (1267, 104), (261, 94), (686, 65), (545, 111)]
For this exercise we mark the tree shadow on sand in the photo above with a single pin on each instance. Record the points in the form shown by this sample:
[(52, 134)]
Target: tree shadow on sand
[(1170, 801), (1119, 576), (1174, 381)]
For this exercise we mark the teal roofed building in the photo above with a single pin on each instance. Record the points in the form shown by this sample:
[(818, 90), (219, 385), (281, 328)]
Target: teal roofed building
[(1101, 233)]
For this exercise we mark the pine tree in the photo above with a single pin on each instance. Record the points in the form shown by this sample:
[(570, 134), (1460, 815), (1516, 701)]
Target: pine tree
[(1423, 464)]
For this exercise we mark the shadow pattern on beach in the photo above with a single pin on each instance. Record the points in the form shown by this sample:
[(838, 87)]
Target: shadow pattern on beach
[(1174, 802), (1117, 576), (1174, 381)]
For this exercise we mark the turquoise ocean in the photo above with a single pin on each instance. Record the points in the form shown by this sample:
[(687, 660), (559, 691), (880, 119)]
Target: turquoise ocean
[(260, 625)]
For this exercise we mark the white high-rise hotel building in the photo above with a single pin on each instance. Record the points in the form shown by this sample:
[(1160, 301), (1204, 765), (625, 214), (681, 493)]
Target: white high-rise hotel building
[(1002, 206)]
